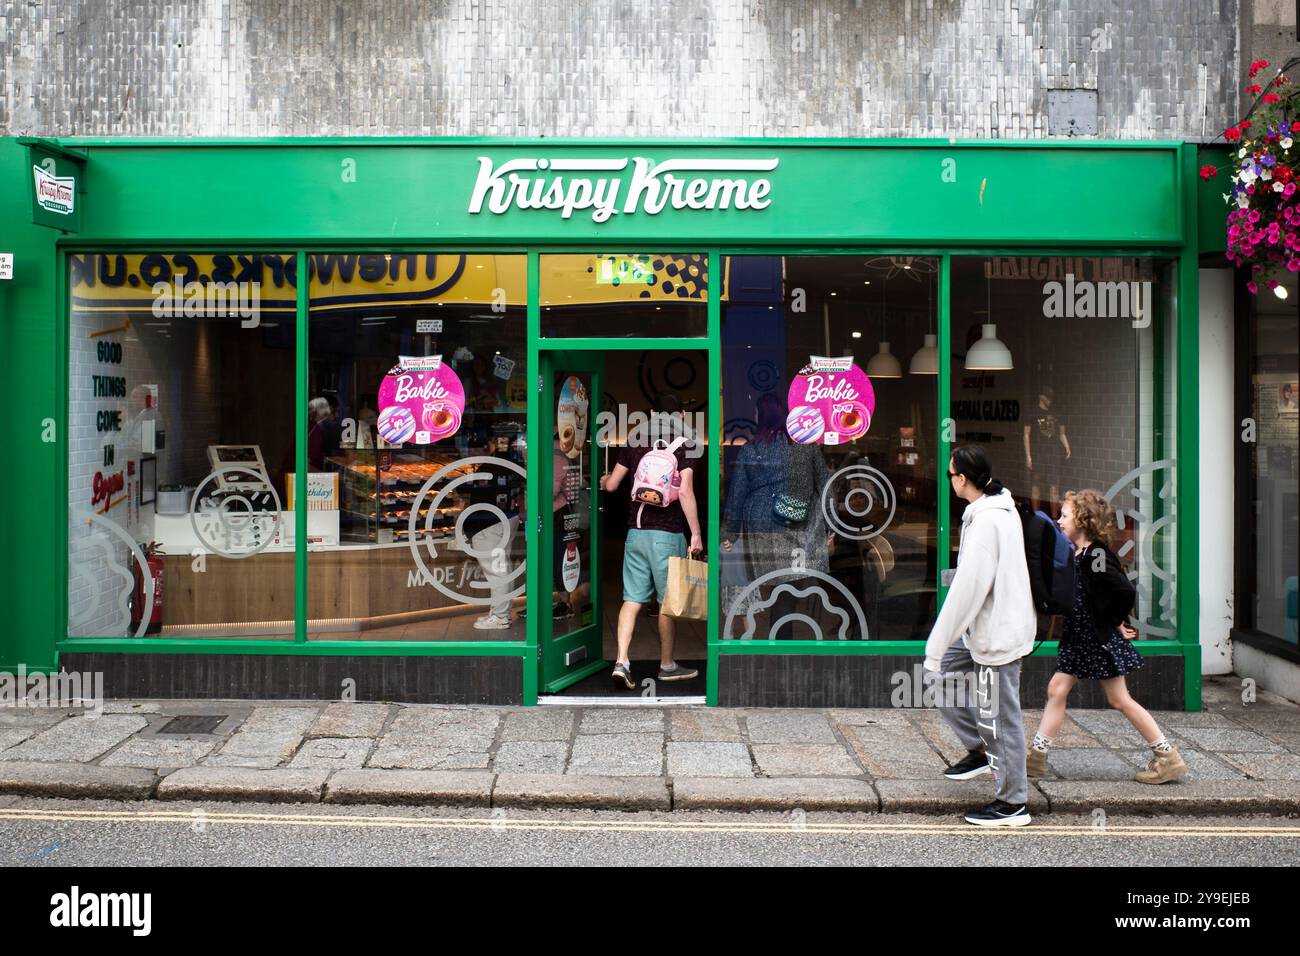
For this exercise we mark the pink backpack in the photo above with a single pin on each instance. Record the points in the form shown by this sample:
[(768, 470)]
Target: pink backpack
[(657, 480)]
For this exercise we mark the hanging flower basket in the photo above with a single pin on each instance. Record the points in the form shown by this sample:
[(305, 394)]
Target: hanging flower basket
[(1265, 212)]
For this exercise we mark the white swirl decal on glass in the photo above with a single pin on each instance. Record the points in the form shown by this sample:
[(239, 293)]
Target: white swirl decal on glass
[(494, 557), (102, 531), (868, 499), (1146, 571), (794, 583), (235, 511)]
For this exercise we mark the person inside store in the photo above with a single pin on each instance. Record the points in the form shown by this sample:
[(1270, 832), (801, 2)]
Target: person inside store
[(773, 511), (318, 413), (655, 534), (493, 531), (332, 427)]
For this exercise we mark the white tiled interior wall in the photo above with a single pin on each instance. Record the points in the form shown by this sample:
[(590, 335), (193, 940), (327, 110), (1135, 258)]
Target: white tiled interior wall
[(100, 562)]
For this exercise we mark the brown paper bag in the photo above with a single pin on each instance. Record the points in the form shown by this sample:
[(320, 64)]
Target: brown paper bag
[(688, 589)]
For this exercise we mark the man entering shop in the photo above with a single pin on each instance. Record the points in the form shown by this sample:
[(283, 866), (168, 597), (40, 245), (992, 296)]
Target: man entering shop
[(655, 534)]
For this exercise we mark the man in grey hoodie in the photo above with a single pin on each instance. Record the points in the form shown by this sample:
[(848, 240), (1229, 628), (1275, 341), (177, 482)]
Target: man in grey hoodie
[(986, 625)]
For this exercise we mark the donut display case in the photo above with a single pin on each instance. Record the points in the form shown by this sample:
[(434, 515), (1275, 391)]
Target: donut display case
[(380, 488)]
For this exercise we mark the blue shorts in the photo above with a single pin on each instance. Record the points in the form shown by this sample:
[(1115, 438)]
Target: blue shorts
[(645, 562)]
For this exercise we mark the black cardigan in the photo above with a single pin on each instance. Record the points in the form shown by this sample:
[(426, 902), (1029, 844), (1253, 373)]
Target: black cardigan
[(1111, 594)]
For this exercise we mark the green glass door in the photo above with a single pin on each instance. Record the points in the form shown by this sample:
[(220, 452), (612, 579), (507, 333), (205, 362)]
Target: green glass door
[(570, 624)]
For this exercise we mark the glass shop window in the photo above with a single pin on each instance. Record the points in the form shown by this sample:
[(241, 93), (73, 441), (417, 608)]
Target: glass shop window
[(416, 447), (1063, 369), (830, 399), (181, 445)]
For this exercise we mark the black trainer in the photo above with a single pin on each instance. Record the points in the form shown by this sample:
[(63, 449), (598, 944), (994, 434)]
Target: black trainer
[(972, 765), (623, 675), (999, 813), (678, 672)]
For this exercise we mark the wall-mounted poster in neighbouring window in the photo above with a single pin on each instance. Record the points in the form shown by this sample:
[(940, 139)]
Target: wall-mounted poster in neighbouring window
[(571, 416), (831, 402), (421, 400)]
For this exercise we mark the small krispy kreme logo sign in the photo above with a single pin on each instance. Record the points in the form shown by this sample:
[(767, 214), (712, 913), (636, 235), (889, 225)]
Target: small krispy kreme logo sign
[(54, 193), (573, 185)]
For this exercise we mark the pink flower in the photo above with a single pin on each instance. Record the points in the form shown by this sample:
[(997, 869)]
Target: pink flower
[(1252, 287), (1293, 265)]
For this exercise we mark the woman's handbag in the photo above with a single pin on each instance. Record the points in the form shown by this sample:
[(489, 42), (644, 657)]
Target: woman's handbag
[(790, 510), (790, 507)]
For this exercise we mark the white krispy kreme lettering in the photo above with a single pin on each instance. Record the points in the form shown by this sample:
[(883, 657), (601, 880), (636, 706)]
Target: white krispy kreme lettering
[(720, 192), (652, 187)]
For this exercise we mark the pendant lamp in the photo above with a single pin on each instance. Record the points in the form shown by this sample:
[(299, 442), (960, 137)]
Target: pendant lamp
[(989, 354), (926, 359), (884, 364)]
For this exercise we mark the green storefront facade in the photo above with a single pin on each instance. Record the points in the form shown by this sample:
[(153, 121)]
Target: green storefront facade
[(733, 210)]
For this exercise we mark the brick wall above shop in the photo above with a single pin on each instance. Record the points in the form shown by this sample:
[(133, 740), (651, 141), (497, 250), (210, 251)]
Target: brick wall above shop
[(1161, 69)]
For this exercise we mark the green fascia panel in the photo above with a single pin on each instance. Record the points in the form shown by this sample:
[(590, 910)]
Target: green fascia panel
[(955, 193)]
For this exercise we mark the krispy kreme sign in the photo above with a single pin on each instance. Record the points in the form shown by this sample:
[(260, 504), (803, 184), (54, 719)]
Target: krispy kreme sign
[(578, 185), (55, 193)]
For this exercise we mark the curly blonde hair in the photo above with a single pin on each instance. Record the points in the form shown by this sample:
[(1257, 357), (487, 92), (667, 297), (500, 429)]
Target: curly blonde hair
[(1093, 515)]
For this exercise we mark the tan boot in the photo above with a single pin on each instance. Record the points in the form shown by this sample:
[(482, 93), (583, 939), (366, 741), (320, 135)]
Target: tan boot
[(1035, 762), (1163, 768)]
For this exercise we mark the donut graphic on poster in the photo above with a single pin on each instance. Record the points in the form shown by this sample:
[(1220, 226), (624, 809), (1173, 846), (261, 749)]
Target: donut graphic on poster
[(421, 400), (571, 416), (831, 402)]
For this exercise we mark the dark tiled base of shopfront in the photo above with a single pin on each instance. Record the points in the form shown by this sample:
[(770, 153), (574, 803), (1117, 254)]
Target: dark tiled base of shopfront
[(408, 680), (852, 680), (744, 680)]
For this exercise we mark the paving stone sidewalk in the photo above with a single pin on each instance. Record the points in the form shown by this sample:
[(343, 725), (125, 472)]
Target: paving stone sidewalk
[(1242, 757)]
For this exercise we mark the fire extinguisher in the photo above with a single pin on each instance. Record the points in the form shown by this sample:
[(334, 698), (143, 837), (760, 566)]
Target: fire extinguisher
[(153, 556)]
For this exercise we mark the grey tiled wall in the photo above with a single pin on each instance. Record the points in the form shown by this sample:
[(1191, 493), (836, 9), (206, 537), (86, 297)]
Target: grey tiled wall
[(1162, 69)]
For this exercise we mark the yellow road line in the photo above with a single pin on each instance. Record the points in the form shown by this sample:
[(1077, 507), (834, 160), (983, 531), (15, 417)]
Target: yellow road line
[(207, 817)]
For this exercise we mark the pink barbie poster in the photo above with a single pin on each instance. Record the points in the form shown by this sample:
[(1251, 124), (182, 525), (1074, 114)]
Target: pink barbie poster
[(831, 402), (421, 401)]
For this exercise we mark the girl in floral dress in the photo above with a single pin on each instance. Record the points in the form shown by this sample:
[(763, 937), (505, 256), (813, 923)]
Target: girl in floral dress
[(1097, 642)]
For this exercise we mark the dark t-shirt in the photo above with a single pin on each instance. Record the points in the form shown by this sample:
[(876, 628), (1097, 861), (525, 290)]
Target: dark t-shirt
[(653, 517)]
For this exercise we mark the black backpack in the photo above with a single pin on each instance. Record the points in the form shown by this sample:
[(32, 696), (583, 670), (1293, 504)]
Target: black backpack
[(1050, 558)]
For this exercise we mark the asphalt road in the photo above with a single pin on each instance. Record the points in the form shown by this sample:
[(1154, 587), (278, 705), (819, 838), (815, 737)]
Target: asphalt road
[(105, 833)]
